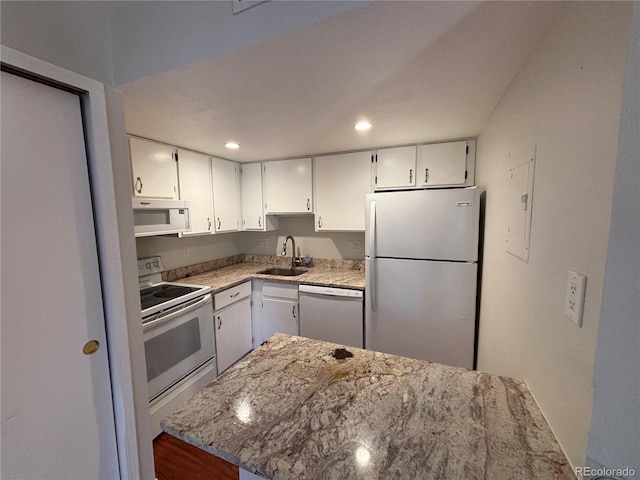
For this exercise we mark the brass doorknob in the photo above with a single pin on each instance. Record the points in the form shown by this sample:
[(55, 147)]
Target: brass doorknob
[(91, 347)]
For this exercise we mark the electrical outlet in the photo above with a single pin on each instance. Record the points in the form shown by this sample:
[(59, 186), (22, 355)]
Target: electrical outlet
[(356, 246), (264, 243), (574, 297), (185, 251)]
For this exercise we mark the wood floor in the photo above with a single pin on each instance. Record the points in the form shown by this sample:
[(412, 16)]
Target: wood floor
[(177, 460)]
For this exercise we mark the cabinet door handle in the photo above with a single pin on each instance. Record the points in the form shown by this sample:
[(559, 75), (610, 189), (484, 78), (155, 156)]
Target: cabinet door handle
[(260, 222), (219, 322), (138, 185), (426, 175), (294, 311), (410, 175), (308, 204), (219, 224), (209, 222), (234, 295), (319, 222)]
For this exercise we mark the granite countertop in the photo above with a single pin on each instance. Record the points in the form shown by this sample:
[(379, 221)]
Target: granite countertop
[(229, 276), (291, 410)]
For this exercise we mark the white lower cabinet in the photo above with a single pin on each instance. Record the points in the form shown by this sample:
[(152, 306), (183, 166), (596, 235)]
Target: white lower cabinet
[(232, 323), (275, 310)]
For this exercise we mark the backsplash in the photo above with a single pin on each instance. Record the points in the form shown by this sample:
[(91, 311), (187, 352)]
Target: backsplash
[(198, 268), (190, 270)]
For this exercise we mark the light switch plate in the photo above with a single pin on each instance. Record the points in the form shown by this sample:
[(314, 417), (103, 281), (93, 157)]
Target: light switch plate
[(574, 297), (264, 243)]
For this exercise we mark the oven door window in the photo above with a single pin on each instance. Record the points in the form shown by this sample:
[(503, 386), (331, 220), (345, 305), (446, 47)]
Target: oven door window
[(172, 347), (177, 346)]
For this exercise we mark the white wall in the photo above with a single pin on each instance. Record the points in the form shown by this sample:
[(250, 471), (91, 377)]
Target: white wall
[(335, 245), (200, 248), (614, 440), (566, 100), (174, 36)]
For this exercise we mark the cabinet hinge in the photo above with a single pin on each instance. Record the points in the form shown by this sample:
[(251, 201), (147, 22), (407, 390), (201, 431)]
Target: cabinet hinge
[(376, 158), (175, 156), (465, 174), (376, 180), (467, 149), (371, 158)]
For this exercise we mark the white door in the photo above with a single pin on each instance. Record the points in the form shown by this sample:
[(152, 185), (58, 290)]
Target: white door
[(57, 412), (395, 168), (153, 168), (233, 333), (341, 182), (194, 178), (423, 310)]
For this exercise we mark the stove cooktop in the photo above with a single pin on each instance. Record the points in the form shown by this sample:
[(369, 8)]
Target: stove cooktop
[(158, 294), (162, 296)]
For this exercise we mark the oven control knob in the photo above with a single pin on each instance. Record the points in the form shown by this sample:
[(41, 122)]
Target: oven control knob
[(91, 347)]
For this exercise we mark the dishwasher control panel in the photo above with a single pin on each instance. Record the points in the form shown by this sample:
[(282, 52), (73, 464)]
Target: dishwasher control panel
[(332, 291)]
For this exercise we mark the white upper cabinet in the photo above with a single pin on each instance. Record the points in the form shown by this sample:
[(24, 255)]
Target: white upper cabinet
[(442, 164), (288, 186), (226, 195), (341, 182), (194, 182), (153, 167), (395, 168), (253, 217)]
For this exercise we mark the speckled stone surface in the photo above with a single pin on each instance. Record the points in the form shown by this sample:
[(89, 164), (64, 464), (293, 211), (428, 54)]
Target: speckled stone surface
[(291, 410), (220, 279)]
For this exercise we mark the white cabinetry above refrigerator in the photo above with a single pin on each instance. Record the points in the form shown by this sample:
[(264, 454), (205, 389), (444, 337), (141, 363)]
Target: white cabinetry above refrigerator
[(447, 164)]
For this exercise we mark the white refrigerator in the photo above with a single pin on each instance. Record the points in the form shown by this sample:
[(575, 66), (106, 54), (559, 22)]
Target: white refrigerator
[(421, 264)]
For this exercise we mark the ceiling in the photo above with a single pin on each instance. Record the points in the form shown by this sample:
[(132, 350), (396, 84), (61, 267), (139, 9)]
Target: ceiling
[(418, 71)]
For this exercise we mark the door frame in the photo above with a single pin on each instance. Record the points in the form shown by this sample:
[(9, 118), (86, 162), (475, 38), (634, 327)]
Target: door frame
[(132, 424)]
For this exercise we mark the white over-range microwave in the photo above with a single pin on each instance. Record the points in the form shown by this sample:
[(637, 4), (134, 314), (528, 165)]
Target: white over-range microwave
[(160, 217)]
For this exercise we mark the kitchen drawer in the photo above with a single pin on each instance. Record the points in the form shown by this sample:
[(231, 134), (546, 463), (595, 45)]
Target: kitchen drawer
[(280, 290), (231, 295)]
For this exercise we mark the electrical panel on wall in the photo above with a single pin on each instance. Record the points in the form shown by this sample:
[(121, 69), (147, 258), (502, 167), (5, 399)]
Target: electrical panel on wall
[(519, 202)]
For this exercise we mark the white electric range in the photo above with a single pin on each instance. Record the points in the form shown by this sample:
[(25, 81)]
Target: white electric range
[(177, 324)]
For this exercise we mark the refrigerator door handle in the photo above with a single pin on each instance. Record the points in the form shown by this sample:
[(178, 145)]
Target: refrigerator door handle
[(371, 240), (370, 272), (370, 261)]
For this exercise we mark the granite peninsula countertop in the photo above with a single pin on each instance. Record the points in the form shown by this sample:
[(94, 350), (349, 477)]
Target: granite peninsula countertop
[(291, 410), (229, 276)]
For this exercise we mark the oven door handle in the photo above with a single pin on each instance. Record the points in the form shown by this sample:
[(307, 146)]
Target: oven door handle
[(181, 310)]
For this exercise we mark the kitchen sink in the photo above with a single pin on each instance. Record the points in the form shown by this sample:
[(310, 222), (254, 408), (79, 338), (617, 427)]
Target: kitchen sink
[(287, 272)]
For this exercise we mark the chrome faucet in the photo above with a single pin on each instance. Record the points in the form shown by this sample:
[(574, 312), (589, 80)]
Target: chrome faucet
[(284, 249)]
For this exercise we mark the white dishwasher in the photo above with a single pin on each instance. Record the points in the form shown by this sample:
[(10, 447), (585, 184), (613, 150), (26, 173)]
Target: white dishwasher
[(332, 314)]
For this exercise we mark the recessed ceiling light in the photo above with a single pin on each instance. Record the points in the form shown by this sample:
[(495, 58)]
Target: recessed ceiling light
[(362, 125), (232, 145)]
